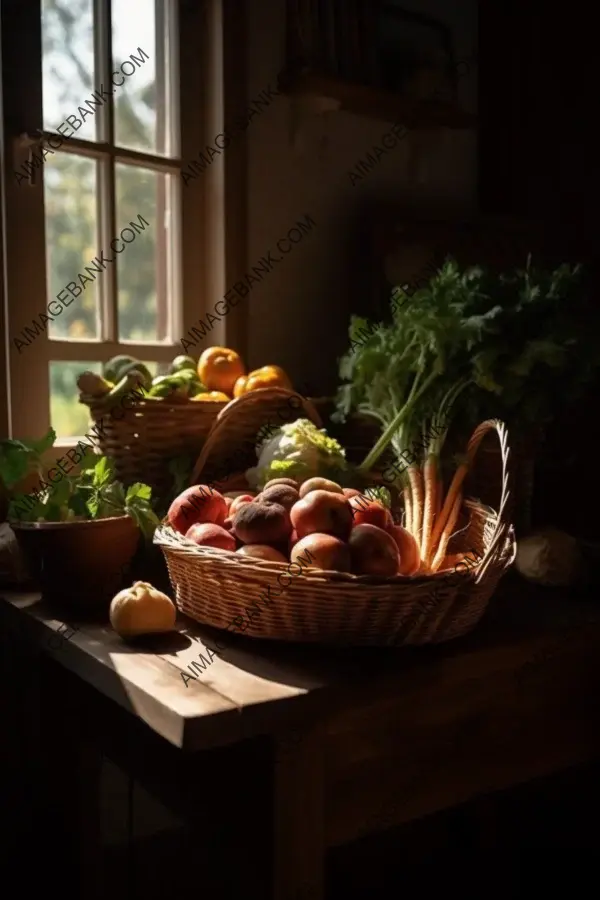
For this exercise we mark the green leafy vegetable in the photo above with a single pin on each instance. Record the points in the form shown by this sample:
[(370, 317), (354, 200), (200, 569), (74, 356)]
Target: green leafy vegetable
[(297, 450), (513, 343)]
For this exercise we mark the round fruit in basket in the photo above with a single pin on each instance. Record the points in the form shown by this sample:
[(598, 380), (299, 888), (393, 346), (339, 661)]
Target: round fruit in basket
[(181, 363), (324, 551), (206, 534), (212, 397), (322, 512), (410, 557), (267, 376), (370, 512), (196, 504), (262, 551), (284, 494), (261, 522), (373, 551), (219, 368)]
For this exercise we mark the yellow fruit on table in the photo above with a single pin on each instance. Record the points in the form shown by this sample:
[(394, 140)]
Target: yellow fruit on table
[(142, 609), (212, 397), (219, 369)]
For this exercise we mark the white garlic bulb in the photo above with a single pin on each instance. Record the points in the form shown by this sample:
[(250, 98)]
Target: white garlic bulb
[(549, 557)]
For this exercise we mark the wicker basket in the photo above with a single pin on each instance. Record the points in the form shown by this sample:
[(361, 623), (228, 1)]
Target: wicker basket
[(220, 588), (149, 434), (230, 447)]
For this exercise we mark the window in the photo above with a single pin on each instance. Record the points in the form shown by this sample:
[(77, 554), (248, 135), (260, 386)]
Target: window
[(104, 250)]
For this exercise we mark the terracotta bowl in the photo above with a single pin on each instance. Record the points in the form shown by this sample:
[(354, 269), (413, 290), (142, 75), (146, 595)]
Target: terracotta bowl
[(79, 564)]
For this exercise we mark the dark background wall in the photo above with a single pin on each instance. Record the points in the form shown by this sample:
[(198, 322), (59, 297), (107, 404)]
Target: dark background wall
[(538, 81)]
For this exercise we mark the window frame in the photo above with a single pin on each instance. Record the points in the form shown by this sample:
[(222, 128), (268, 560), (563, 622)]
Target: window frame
[(212, 251)]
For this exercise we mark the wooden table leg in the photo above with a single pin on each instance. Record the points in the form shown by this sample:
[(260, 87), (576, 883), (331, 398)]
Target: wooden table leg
[(70, 771), (298, 828)]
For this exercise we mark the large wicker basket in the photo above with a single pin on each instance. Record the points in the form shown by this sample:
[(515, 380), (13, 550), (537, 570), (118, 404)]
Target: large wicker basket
[(144, 438), (230, 591)]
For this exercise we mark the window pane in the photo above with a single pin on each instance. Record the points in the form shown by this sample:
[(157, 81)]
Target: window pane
[(71, 245), (136, 124), (68, 65), (68, 416), (144, 224)]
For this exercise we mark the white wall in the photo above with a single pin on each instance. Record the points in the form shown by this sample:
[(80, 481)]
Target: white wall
[(299, 312)]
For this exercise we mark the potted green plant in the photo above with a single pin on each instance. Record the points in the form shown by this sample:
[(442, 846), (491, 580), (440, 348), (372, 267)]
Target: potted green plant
[(78, 534)]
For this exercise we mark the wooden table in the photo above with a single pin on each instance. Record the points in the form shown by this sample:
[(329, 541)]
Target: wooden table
[(276, 753)]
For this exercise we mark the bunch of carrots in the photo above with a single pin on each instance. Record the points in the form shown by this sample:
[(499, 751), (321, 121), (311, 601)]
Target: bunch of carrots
[(409, 375), (503, 345), (429, 516)]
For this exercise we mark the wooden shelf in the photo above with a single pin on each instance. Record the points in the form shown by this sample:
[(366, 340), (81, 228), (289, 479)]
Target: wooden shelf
[(376, 103)]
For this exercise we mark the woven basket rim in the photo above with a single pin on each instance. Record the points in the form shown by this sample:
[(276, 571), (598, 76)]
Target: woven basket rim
[(166, 537), (157, 402)]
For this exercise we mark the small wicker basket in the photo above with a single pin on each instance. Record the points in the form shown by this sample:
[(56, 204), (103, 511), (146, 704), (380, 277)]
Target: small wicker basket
[(222, 589), (145, 437)]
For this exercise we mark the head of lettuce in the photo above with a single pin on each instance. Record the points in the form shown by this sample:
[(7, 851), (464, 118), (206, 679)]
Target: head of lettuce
[(297, 450)]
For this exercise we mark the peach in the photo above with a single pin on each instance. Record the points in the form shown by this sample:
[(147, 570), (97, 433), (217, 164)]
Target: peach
[(261, 522), (196, 504), (323, 551), (262, 551), (291, 482), (410, 557), (207, 534), (319, 484), (284, 494), (228, 502), (351, 492), (373, 551), (228, 524), (370, 512), (323, 512), (238, 502)]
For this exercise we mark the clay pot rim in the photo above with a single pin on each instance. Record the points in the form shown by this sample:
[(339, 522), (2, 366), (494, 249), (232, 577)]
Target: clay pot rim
[(83, 523)]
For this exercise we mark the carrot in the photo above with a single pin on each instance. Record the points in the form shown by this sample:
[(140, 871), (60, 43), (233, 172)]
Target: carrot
[(416, 484), (447, 533), (407, 509), (442, 519), (430, 489), (439, 493)]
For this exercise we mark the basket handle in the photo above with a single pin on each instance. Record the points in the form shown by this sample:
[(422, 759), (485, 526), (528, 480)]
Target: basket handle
[(233, 408), (502, 524)]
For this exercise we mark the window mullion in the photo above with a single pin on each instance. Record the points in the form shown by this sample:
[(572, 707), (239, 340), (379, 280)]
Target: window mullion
[(105, 197)]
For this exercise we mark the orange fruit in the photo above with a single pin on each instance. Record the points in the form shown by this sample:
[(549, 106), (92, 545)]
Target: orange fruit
[(267, 376), (213, 397), (219, 369), (239, 387)]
